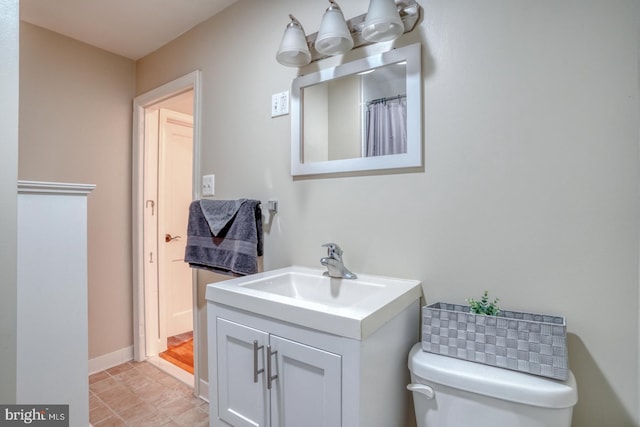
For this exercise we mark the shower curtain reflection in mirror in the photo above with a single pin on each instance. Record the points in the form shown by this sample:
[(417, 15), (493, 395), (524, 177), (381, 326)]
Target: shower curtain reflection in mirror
[(386, 126)]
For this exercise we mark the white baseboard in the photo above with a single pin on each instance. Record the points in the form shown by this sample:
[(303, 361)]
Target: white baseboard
[(110, 360), (204, 390)]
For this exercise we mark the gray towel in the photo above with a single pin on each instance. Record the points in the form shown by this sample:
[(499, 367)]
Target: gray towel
[(218, 213), (225, 236)]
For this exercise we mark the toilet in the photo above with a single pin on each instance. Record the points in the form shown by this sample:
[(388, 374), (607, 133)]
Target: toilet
[(449, 392)]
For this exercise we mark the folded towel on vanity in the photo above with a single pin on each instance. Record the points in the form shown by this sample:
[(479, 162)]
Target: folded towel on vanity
[(225, 236)]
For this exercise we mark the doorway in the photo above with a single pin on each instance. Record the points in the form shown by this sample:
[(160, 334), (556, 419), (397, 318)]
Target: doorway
[(168, 190), (166, 147)]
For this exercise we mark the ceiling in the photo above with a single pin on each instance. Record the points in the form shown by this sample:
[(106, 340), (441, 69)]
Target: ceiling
[(130, 28)]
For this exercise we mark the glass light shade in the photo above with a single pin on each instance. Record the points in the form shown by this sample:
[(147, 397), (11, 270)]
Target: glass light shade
[(383, 22), (334, 38), (293, 51)]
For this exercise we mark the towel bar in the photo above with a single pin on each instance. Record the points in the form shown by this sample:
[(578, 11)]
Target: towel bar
[(272, 205)]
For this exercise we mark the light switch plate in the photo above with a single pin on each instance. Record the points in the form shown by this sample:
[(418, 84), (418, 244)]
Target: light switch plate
[(208, 185), (280, 104)]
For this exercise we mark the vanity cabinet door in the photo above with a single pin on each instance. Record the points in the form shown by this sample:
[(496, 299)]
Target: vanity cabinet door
[(308, 389), (243, 398)]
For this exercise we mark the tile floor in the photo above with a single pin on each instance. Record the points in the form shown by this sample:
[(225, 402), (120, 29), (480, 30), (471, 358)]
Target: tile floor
[(139, 395)]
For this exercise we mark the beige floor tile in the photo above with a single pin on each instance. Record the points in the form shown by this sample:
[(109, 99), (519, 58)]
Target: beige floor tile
[(99, 411), (192, 417), (98, 377), (151, 371), (171, 423), (116, 395), (167, 395), (153, 421), (152, 393), (111, 422), (177, 407), (103, 385), (143, 413), (124, 404), (140, 395), (135, 381), (119, 369)]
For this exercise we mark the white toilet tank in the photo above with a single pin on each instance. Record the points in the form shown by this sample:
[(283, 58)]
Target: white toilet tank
[(449, 392)]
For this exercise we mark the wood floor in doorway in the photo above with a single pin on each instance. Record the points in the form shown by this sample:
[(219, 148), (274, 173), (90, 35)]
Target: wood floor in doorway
[(180, 351)]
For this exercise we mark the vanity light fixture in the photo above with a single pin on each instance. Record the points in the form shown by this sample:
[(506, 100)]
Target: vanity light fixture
[(294, 50), (385, 20), (334, 37)]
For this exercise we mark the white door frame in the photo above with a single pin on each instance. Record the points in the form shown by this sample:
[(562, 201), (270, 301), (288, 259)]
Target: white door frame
[(140, 103)]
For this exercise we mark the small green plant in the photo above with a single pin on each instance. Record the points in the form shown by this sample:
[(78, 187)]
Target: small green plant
[(484, 306)]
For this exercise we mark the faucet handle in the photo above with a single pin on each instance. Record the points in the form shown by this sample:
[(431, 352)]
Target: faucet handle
[(332, 249)]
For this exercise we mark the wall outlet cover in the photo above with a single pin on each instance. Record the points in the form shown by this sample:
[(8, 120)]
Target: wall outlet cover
[(280, 104), (208, 185)]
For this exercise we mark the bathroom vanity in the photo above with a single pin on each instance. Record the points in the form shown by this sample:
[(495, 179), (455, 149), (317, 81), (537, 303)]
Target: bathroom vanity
[(291, 347)]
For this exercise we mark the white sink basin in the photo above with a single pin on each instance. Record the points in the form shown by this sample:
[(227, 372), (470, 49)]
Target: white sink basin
[(352, 308), (314, 287)]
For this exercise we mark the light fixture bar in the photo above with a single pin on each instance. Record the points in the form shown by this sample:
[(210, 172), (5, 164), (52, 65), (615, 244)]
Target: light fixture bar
[(409, 13)]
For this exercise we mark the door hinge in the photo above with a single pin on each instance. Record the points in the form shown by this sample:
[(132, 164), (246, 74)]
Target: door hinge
[(152, 203)]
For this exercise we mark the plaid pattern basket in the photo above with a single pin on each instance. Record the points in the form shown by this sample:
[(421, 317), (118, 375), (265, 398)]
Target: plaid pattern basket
[(531, 343)]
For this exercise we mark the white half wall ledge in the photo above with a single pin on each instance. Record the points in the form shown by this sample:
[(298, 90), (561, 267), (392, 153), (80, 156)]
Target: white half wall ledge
[(42, 187)]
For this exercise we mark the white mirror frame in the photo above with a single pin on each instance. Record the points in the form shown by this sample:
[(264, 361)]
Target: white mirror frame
[(411, 159)]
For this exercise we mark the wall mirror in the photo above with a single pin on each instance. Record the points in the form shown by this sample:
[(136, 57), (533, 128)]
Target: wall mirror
[(359, 116)]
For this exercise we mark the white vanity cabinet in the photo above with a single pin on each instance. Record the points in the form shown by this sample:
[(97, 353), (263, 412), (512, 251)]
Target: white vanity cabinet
[(270, 380), (271, 373)]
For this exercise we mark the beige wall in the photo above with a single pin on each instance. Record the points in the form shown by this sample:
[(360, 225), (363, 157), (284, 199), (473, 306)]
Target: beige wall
[(8, 195), (530, 187), (75, 126)]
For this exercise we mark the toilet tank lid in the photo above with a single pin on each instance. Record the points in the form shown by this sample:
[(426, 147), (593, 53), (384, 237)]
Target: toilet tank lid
[(499, 383)]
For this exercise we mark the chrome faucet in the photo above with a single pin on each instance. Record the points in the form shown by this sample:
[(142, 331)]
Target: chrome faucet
[(333, 262)]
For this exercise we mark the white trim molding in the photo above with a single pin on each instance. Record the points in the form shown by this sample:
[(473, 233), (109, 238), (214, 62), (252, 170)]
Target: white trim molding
[(41, 187), (109, 360)]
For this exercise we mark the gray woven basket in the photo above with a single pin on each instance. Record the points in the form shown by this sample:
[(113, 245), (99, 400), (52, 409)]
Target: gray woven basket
[(531, 343)]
